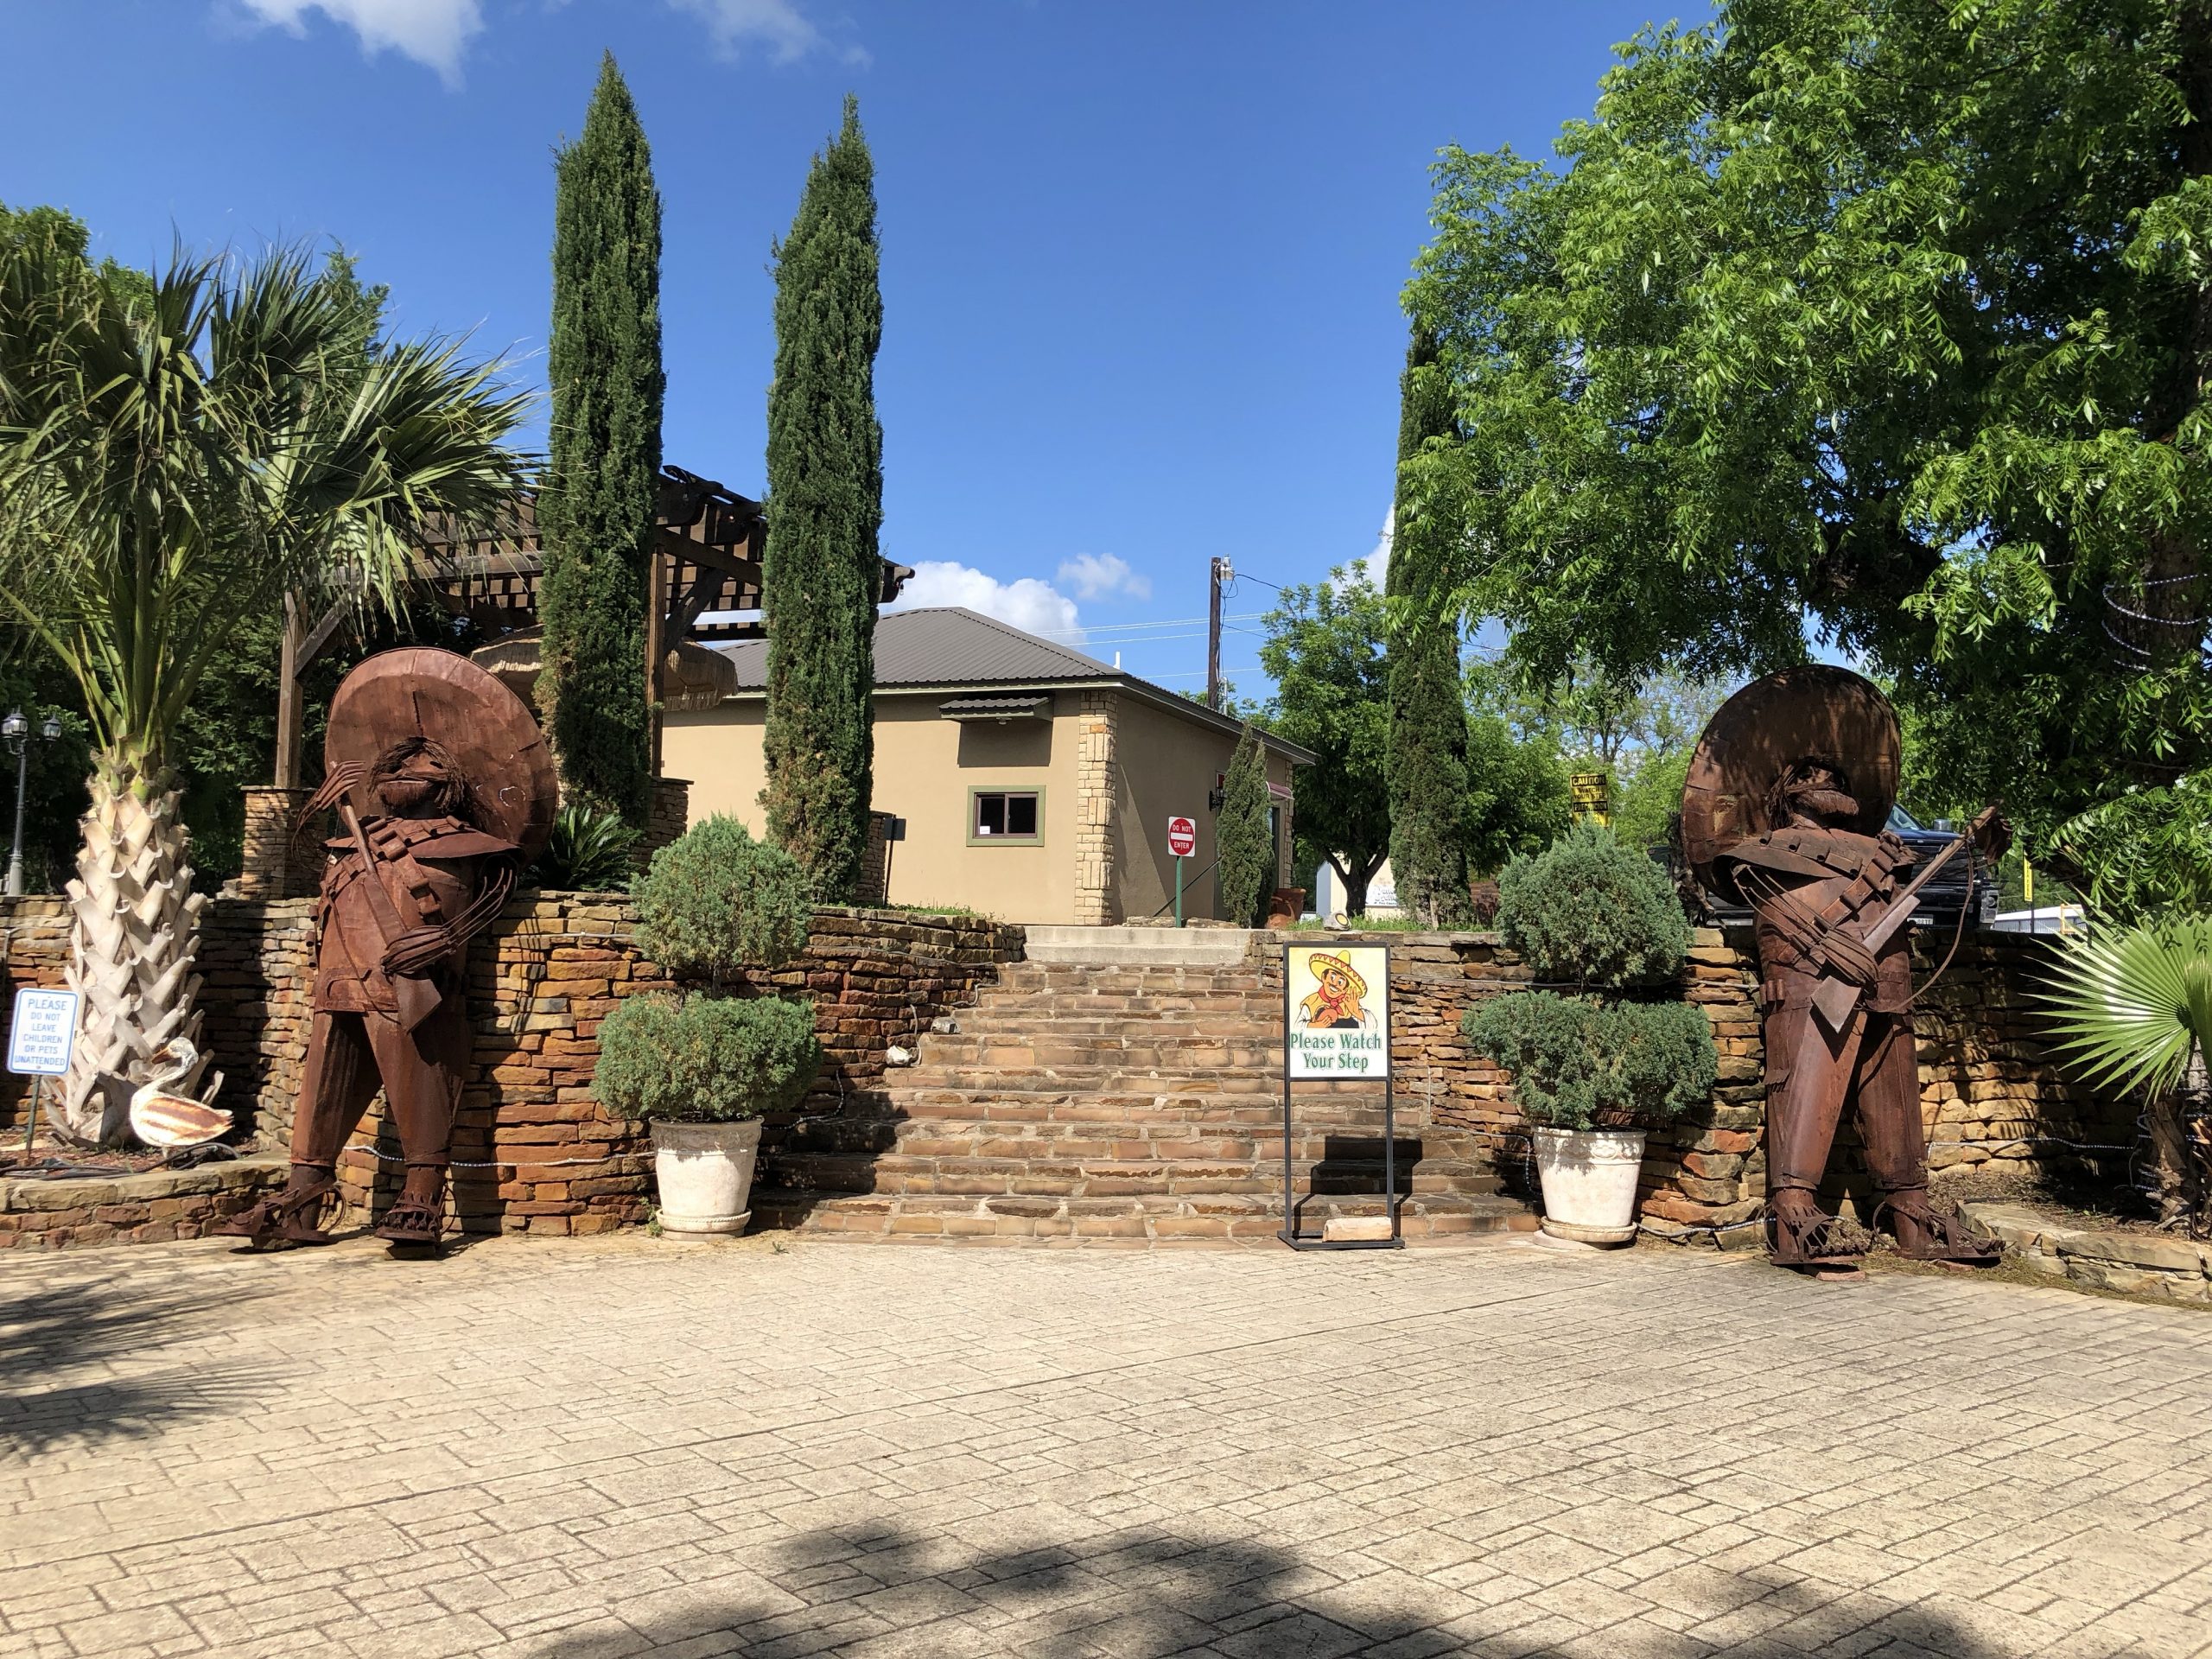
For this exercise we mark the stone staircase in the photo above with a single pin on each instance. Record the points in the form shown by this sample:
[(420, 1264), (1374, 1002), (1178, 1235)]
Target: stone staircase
[(1079, 1101)]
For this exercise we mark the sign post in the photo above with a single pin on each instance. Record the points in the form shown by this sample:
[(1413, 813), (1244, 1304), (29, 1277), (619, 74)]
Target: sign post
[(40, 1039), (1182, 840), (1336, 1028)]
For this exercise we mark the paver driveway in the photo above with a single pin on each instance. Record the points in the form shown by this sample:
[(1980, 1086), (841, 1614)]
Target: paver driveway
[(608, 1447)]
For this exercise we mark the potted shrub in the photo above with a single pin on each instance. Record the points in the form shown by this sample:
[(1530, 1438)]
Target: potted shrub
[(1591, 1066), (702, 1066)]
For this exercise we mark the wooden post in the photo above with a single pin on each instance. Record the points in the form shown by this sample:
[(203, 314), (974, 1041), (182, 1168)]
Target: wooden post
[(655, 643), (291, 723)]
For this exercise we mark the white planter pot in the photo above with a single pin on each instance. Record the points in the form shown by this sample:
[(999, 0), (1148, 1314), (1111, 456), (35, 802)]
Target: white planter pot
[(1589, 1182), (705, 1174)]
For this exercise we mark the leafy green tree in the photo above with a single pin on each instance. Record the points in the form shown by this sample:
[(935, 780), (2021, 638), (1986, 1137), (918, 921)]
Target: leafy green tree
[(1428, 756), (1881, 320), (1326, 647), (823, 575), (595, 509), (175, 459), (1244, 853), (1519, 800)]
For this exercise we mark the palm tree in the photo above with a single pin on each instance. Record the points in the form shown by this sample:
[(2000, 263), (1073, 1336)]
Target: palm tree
[(176, 454), (2133, 1008)]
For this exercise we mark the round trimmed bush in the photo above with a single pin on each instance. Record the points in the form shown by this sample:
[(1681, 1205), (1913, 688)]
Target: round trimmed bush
[(705, 1058), (716, 901), (1588, 911), (1579, 1063)]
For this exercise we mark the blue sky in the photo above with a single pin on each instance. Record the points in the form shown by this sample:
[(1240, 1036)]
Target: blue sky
[(1141, 261)]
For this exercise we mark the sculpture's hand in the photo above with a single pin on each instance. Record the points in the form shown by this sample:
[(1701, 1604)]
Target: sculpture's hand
[(1990, 834), (418, 951)]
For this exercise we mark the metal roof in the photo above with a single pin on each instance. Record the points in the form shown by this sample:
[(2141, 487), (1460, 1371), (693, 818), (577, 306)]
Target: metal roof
[(950, 648), (946, 646)]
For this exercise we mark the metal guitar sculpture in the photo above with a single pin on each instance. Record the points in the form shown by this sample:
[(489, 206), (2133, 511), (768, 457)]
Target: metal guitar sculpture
[(1786, 809), (442, 785)]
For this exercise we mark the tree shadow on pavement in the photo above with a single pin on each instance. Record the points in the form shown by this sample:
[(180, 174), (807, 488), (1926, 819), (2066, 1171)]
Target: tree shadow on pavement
[(1145, 1594), (62, 1345)]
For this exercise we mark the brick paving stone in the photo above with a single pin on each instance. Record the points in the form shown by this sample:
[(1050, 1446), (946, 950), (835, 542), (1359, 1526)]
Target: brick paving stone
[(617, 1446)]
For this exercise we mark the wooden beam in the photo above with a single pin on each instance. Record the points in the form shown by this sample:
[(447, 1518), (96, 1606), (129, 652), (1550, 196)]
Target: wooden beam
[(317, 638)]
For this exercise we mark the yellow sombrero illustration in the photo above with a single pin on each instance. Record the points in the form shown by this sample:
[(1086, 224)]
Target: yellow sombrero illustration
[(1320, 962)]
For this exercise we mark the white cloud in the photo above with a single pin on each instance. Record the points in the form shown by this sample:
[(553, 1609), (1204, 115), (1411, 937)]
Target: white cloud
[(435, 32), (1378, 562), (1095, 575), (1026, 602), (778, 24)]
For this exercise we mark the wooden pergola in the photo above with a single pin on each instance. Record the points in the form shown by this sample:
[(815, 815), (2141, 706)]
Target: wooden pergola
[(706, 564)]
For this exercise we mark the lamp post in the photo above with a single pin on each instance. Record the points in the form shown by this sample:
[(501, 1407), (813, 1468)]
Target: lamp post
[(17, 729)]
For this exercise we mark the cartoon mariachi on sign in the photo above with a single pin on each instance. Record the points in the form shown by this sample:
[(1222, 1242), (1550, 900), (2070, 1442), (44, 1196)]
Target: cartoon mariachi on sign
[(1337, 1020)]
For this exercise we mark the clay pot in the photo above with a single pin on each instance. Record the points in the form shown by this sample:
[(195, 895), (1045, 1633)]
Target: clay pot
[(704, 1171), (1589, 1181)]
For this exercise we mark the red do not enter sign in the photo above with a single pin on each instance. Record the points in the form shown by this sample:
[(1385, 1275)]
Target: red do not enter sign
[(1182, 836)]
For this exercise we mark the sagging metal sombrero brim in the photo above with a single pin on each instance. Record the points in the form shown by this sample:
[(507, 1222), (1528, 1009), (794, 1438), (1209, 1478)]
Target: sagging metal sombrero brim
[(421, 691), (1817, 712)]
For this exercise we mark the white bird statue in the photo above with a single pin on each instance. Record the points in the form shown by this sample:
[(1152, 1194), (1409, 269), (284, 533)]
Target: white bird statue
[(160, 1119)]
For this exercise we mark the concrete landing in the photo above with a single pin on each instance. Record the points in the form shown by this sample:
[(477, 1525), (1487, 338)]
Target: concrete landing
[(1133, 947)]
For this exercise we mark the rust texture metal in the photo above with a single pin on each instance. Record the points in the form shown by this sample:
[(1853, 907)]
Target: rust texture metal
[(1785, 809), (441, 785)]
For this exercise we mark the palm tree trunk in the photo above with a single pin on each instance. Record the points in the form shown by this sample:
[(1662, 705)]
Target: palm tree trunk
[(2175, 1127), (134, 934)]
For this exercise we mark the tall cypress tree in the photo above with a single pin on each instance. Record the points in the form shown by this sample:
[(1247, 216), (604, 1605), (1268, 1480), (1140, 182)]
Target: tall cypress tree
[(1427, 763), (595, 511), (821, 576)]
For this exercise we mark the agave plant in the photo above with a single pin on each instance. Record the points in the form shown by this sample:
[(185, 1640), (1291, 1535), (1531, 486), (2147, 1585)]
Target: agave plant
[(2134, 1010), (589, 851), (177, 453)]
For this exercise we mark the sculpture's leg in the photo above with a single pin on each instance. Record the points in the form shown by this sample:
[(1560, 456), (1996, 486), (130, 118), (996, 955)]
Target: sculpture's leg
[(1809, 1069), (336, 1086), (422, 1073), (1896, 1150)]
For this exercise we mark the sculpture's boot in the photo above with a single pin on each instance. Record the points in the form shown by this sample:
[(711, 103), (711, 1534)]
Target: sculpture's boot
[(291, 1216), (1897, 1153), (418, 1215)]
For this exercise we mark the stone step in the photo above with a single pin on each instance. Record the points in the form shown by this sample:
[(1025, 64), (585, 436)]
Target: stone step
[(1101, 1176), (1138, 1050), (1142, 1100), (1152, 947), (1144, 1218)]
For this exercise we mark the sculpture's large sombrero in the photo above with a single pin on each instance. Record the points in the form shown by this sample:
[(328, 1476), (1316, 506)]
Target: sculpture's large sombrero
[(1817, 712), (1320, 962), (420, 691)]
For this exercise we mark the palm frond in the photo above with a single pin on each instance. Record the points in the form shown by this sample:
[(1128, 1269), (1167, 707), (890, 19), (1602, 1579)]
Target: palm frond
[(2131, 1004)]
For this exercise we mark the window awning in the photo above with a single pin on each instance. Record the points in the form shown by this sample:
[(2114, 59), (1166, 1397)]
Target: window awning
[(1035, 706)]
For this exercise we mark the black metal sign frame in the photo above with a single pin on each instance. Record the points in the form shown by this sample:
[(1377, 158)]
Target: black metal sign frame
[(1288, 1232)]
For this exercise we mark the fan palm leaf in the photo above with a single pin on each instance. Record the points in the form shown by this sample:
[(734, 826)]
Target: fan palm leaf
[(2133, 1004)]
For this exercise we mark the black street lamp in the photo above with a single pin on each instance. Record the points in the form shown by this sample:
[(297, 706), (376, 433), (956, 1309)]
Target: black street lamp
[(18, 731)]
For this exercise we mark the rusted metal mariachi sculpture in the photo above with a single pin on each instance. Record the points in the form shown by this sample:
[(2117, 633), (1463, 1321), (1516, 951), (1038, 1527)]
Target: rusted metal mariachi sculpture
[(442, 786), (1786, 810)]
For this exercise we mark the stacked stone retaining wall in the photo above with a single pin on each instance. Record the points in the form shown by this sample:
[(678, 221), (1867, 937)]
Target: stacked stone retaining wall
[(1991, 1094)]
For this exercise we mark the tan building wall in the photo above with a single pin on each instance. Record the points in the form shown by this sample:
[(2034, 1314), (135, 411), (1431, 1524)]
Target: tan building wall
[(1167, 769), (926, 768), (1137, 764)]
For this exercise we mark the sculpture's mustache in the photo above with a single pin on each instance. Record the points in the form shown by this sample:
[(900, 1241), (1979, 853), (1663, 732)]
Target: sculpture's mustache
[(1827, 803)]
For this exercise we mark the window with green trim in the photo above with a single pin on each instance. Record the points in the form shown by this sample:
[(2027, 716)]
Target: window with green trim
[(996, 816)]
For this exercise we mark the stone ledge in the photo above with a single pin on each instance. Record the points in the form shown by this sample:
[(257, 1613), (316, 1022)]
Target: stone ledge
[(2138, 1264), (22, 1195)]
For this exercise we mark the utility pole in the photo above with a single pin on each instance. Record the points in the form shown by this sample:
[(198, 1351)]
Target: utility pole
[(1219, 573)]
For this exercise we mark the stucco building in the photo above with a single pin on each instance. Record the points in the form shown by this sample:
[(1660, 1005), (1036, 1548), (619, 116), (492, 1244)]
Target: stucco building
[(1015, 777)]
